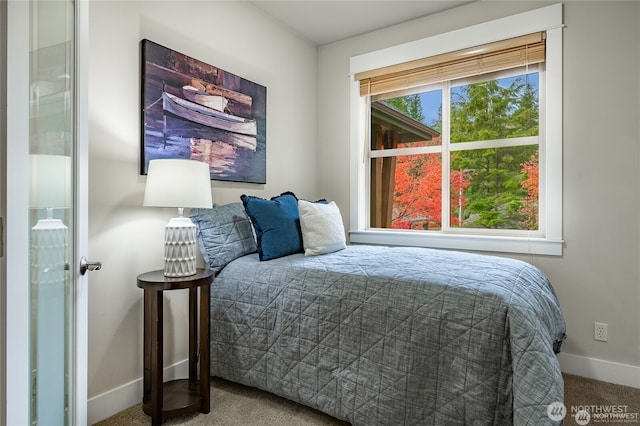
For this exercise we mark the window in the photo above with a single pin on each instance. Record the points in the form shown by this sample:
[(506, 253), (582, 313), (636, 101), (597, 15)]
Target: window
[(490, 179), (462, 153)]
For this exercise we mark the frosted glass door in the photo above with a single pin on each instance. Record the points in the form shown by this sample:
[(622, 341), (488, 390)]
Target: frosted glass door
[(51, 157)]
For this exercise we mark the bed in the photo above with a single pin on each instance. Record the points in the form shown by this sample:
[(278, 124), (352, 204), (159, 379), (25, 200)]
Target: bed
[(381, 335)]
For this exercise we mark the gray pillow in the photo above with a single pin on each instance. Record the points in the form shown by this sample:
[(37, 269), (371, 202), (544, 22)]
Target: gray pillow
[(224, 234)]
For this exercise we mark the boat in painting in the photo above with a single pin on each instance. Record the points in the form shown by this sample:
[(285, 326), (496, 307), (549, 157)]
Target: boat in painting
[(239, 131), (219, 103)]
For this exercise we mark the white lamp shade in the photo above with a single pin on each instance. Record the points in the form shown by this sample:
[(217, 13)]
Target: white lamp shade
[(178, 183), (51, 182)]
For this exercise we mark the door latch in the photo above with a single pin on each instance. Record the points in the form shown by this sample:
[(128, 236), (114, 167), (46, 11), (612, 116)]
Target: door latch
[(86, 265)]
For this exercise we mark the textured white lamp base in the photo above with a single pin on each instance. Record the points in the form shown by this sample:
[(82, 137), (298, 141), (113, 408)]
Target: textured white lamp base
[(180, 245), (48, 260)]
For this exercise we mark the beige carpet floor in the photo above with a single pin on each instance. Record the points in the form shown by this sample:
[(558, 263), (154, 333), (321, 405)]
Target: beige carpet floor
[(237, 405), (599, 398)]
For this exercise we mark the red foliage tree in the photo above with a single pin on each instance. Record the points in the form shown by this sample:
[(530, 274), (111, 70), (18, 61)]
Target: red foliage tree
[(417, 199), (417, 202), (529, 208)]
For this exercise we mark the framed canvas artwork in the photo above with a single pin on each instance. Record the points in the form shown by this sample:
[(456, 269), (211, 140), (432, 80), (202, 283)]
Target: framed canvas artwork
[(193, 110)]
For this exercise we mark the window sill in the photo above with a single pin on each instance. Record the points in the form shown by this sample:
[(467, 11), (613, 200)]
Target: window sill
[(503, 244)]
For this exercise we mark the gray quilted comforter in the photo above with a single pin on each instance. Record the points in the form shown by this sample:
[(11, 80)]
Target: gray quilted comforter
[(393, 336)]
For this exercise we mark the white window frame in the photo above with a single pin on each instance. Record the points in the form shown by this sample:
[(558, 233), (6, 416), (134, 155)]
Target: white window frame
[(549, 241)]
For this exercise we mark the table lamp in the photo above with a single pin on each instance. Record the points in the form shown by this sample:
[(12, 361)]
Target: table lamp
[(178, 183)]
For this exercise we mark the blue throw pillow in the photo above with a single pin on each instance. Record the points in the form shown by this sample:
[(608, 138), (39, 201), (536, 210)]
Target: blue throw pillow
[(224, 234), (277, 224)]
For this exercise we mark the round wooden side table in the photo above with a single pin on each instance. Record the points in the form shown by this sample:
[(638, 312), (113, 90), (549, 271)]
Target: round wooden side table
[(177, 397)]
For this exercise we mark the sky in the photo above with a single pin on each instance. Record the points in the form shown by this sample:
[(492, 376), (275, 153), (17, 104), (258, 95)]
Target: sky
[(431, 102)]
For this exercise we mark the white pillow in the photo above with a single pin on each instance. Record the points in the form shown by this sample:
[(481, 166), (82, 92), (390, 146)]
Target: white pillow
[(322, 228)]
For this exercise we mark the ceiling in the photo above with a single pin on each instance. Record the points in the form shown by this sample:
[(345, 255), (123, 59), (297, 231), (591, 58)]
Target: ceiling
[(324, 22)]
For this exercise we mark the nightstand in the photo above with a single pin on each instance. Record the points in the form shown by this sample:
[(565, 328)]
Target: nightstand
[(177, 397)]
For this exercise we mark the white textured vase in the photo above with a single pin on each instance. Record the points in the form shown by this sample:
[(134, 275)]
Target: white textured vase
[(180, 247)]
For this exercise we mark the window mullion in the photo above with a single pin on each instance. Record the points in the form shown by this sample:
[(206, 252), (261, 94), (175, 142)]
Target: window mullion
[(404, 151), (446, 142), (494, 143)]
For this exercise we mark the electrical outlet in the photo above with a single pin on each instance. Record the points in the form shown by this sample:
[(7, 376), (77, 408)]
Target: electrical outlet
[(600, 331)]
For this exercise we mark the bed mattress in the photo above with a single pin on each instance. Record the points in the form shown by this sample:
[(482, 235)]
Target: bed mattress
[(389, 336)]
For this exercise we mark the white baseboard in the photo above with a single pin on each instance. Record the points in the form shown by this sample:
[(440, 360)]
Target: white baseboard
[(597, 369), (115, 400)]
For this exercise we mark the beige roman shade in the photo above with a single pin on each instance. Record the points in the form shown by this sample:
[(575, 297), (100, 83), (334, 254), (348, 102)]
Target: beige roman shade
[(497, 56)]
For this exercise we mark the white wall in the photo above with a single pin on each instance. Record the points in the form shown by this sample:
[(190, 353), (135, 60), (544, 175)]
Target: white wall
[(128, 238), (597, 278)]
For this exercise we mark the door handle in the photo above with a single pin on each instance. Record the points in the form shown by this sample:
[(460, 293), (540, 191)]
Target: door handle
[(86, 265)]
